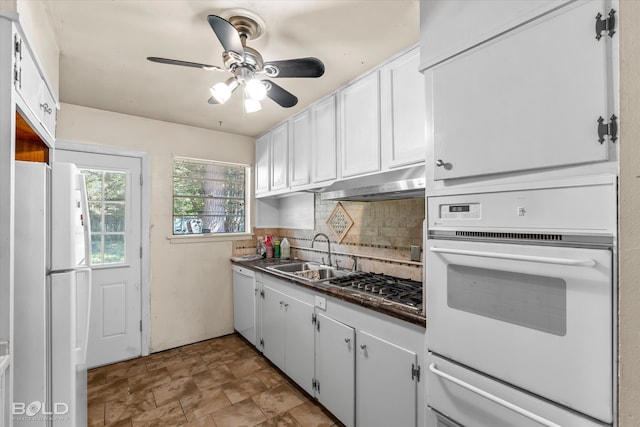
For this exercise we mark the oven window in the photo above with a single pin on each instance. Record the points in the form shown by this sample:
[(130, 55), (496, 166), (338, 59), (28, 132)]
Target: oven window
[(536, 302)]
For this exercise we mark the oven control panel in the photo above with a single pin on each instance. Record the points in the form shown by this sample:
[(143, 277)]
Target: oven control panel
[(460, 211)]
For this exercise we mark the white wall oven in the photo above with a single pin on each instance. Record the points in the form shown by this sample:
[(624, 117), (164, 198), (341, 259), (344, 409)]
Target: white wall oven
[(520, 305)]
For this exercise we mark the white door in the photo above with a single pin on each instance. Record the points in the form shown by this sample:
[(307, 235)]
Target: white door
[(114, 193)]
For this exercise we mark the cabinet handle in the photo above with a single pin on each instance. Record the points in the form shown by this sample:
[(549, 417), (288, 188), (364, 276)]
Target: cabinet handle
[(46, 108), (347, 340), (286, 304), (440, 162), (363, 346)]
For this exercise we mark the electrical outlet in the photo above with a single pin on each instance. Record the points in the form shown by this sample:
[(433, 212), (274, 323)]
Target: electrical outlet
[(415, 253), (321, 302)]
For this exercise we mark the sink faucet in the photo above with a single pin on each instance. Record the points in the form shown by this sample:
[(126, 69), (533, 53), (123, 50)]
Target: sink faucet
[(328, 245)]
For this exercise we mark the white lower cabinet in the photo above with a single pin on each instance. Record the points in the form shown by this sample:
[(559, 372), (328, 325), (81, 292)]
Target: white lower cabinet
[(287, 335), (386, 385), (361, 365), (335, 368)]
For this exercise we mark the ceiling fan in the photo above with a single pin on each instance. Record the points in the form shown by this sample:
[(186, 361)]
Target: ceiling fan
[(246, 65)]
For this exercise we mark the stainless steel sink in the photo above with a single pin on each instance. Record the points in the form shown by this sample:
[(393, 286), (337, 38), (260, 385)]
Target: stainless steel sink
[(311, 271)]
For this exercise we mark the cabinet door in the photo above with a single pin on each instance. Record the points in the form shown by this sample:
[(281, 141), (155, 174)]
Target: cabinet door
[(280, 157), (386, 394), (335, 368), (300, 149), (299, 349), (360, 136), (273, 326), (259, 298), (29, 83), (262, 164), (325, 143), (403, 120), (528, 100)]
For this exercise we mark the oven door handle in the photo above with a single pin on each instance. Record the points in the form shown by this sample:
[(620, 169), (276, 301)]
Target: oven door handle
[(491, 397), (514, 257)]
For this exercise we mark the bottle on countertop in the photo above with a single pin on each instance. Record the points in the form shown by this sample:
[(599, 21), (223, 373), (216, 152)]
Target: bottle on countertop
[(276, 248), (285, 249), (268, 243)]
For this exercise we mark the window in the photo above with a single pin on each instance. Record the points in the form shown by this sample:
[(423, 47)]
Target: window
[(106, 191), (209, 197)]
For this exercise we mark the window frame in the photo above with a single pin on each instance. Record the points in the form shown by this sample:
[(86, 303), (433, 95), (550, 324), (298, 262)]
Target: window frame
[(219, 236)]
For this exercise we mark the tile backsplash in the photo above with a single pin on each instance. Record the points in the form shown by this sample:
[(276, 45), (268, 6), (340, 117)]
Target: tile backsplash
[(380, 238)]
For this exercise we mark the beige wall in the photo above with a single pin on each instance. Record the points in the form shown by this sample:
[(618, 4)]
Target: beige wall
[(191, 292), (629, 267), (9, 5)]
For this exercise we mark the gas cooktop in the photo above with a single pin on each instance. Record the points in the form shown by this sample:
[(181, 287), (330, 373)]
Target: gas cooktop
[(402, 291)]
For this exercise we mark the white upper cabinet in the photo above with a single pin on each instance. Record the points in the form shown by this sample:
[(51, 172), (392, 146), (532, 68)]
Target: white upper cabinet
[(280, 157), (33, 89), (452, 26), (360, 126), (262, 164), (403, 111), (300, 149), (529, 99), (325, 141)]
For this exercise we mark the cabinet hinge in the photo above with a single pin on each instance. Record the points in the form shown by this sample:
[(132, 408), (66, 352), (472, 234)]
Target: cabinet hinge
[(262, 342), (606, 24), (610, 128), (415, 372), (314, 319), (140, 325), (318, 325), (315, 385), (141, 180), (262, 293), (17, 42)]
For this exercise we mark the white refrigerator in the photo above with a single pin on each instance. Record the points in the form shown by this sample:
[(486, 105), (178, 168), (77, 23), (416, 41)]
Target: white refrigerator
[(52, 294)]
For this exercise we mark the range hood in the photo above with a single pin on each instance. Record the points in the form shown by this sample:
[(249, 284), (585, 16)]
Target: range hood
[(404, 183)]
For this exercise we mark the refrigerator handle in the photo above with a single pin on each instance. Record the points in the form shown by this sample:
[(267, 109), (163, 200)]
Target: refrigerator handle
[(83, 319)]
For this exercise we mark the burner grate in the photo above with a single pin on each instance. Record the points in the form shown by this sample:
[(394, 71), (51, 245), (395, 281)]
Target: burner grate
[(403, 291)]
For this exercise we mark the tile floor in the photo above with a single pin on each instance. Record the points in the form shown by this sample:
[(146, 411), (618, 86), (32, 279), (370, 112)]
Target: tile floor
[(223, 382)]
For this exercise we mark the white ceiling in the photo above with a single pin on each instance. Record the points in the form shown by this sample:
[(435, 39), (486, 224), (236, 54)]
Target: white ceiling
[(104, 45)]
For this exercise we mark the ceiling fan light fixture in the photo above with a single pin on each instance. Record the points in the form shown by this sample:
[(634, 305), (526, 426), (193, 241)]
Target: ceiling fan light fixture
[(256, 89), (252, 105), (221, 92)]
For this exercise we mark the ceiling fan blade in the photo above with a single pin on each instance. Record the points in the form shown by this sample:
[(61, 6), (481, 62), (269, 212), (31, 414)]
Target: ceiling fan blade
[(281, 96), (301, 67), (184, 63), (227, 34)]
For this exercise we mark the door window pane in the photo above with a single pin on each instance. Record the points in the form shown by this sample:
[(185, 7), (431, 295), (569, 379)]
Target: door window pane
[(536, 302), (106, 191)]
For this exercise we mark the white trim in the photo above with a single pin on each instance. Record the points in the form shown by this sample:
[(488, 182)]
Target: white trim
[(145, 231), (213, 237)]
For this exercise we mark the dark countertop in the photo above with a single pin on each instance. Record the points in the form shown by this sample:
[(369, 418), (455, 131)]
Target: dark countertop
[(399, 311)]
